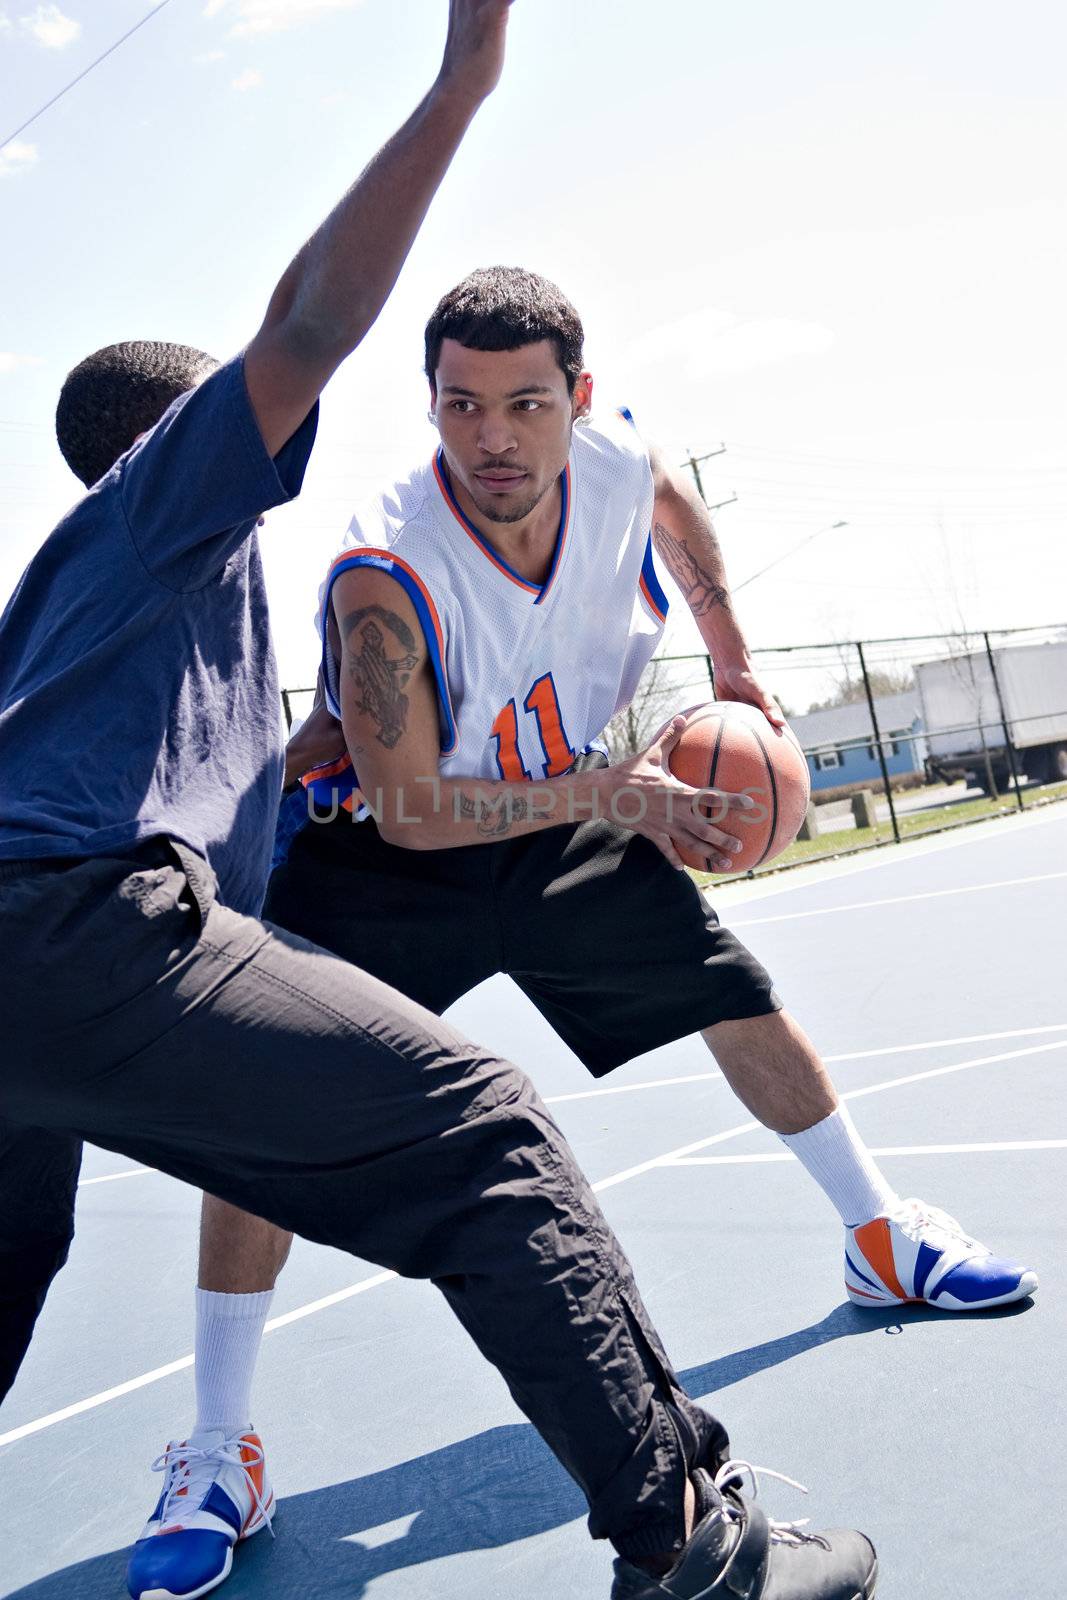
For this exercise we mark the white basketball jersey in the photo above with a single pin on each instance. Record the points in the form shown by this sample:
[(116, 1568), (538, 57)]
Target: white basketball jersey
[(527, 674)]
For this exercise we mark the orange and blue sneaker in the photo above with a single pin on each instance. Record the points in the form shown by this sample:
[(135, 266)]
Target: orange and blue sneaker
[(917, 1253), (215, 1492)]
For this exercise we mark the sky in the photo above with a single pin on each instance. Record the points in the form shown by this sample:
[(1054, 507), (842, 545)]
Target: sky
[(827, 237)]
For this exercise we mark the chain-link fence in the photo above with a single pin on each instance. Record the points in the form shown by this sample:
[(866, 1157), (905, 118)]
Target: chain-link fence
[(903, 736)]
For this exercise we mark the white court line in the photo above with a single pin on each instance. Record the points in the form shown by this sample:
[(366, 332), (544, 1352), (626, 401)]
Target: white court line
[(853, 1094), (629, 1088), (157, 1373), (707, 1077), (849, 1055), (113, 1177), (741, 891), (661, 1161), (897, 900), (885, 1150)]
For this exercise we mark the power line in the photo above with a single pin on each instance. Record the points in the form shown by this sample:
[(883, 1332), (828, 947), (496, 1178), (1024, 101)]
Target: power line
[(785, 553), (67, 87), (890, 466)]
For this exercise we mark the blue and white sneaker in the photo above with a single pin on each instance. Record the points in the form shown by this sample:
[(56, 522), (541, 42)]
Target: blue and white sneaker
[(918, 1253), (215, 1491)]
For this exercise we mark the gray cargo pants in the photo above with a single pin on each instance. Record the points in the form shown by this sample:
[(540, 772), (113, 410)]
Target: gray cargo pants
[(145, 1017)]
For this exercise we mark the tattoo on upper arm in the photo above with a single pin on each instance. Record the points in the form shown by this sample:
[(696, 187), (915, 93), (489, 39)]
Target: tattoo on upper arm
[(700, 587), (379, 672)]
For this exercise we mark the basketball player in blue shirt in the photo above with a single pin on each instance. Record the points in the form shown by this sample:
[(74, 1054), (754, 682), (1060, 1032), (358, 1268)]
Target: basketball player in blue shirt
[(147, 1008)]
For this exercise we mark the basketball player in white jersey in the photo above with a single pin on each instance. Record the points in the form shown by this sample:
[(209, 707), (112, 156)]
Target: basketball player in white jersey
[(481, 625)]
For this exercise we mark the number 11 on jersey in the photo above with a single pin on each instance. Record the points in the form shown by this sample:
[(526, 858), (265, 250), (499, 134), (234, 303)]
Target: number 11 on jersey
[(542, 702)]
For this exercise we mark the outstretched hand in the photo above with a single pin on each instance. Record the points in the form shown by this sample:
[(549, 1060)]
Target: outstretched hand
[(474, 49)]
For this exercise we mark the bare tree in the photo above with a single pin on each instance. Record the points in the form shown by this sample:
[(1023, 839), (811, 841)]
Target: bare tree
[(964, 654), (850, 690), (636, 725)]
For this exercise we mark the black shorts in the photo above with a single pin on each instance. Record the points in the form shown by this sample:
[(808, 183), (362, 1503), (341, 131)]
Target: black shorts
[(618, 950)]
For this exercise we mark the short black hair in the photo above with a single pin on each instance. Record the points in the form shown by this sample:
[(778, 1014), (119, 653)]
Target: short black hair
[(117, 393), (503, 308)]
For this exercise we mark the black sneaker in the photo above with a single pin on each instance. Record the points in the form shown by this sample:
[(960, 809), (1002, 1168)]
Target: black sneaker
[(736, 1553)]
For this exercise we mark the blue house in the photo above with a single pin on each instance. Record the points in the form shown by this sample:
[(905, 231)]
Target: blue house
[(839, 742)]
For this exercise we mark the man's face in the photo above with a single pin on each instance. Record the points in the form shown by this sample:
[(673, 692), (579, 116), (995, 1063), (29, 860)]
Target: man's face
[(505, 420)]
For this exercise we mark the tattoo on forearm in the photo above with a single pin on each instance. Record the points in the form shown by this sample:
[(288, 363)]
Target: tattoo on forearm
[(380, 674), (700, 587), (494, 817)]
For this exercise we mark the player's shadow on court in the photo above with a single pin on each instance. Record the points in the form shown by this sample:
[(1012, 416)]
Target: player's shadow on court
[(480, 1494)]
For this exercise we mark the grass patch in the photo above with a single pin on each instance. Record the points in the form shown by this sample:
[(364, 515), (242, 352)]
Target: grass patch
[(849, 841)]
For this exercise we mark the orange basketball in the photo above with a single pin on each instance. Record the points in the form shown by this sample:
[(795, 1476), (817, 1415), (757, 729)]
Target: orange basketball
[(732, 747)]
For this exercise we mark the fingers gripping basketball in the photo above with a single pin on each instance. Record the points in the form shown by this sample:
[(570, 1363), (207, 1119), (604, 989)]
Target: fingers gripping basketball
[(731, 747)]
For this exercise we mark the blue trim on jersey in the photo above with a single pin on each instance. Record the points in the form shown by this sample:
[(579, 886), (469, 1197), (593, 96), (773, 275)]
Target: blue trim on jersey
[(385, 563), (648, 572), (494, 555), (561, 534), (540, 590), (327, 796)]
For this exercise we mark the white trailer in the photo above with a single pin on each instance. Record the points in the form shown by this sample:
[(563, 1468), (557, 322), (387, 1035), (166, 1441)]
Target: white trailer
[(962, 716)]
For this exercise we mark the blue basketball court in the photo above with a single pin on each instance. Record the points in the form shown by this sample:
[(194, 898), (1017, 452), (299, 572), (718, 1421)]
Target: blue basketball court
[(931, 976)]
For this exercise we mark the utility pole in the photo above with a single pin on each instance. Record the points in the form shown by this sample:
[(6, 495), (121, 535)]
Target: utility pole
[(694, 463)]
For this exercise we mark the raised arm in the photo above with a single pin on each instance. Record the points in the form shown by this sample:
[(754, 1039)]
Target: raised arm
[(684, 536), (333, 291), (389, 712)]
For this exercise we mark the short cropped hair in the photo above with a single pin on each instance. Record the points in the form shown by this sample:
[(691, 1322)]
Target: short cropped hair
[(503, 308), (116, 394)]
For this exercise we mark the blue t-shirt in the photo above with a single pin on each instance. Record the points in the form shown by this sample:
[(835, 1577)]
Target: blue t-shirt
[(138, 689)]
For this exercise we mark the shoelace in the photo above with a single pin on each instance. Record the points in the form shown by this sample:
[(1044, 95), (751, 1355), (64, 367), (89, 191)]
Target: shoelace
[(781, 1532), (179, 1460), (919, 1216)]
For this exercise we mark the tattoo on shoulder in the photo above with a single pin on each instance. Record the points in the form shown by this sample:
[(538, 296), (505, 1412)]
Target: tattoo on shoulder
[(700, 588), (379, 669)]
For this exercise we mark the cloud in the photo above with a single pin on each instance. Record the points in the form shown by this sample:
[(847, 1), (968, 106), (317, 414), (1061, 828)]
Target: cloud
[(17, 157), (248, 79), (273, 16), (10, 362), (50, 27), (5, 22), (718, 342), (208, 56)]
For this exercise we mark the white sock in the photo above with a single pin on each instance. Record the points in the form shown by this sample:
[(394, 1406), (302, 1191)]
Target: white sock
[(229, 1328), (839, 1161)]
